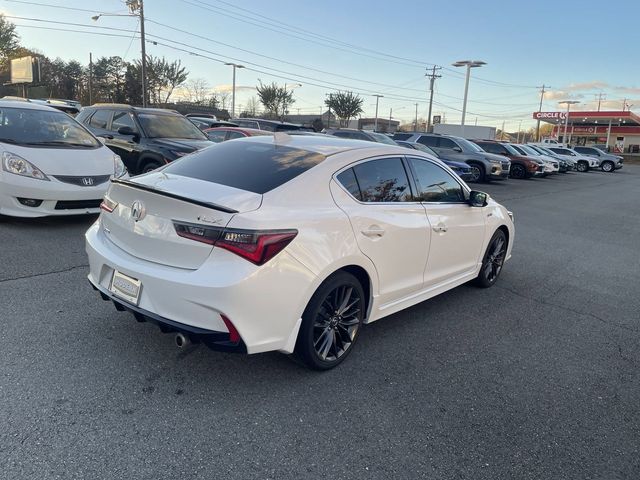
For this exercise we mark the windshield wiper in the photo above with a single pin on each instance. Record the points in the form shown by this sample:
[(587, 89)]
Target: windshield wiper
[(8, 140), (58, 142)]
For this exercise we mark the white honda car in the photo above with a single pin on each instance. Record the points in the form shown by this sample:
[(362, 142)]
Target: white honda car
[(291, 243), (50, 164)]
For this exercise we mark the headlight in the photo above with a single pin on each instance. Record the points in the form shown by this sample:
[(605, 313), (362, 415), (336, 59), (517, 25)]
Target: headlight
[(119, 170), (495, 160), (13, 163)]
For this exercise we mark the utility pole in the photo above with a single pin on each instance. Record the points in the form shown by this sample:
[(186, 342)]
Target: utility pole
[(502, 131), (143, 51), (329, 109), (90, 79), (624, 104), (539, 110), (375, 126), (415, 124), (599, 99), (432, 78), (390, 112)]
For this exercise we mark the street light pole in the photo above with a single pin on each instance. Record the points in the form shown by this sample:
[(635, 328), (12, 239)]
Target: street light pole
[(568, 103), (469, 64), (375, 125), (233, 88)]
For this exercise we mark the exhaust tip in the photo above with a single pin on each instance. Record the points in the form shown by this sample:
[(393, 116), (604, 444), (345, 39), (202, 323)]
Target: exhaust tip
[(182, 341)]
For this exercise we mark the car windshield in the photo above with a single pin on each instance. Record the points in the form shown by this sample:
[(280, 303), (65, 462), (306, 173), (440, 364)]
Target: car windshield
[(529, 150), (563, 151), (47, 128), (510, 149), (381, 138), (470, 145), (169, 126), (518, 149)]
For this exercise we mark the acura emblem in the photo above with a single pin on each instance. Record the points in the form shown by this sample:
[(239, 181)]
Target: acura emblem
[(87, 181), (137, 210)]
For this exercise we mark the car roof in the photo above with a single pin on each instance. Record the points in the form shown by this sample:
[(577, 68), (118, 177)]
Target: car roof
[(26, 104), (124, 106), (250, 131), (326, 145)]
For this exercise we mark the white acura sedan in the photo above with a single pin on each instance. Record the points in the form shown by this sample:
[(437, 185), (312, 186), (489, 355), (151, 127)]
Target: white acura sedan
[(291, 243), (50, 164)]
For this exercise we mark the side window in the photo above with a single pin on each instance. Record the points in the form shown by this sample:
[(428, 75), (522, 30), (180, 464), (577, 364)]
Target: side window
[(428, 141), (216, 136), (100, 119), (348, 181), (492, 148), (383, 180), (435, 184), (122, 119), (342, 134), (231, 135), (447, 143)]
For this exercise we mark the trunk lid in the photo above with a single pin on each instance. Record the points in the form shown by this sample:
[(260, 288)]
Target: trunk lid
[(142, 223)]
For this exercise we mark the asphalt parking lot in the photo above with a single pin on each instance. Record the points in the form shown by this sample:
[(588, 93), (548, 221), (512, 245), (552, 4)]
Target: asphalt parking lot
[(536, 378)]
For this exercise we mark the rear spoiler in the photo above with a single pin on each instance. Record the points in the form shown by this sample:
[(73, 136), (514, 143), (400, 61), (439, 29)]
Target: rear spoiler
[(146, 188)]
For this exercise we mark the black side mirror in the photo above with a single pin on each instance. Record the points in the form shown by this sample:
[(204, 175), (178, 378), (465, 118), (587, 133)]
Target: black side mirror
[(457, 149), (126, 130), (478, 199)]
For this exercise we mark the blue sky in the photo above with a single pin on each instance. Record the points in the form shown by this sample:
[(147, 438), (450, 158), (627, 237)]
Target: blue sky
[(579, 48)]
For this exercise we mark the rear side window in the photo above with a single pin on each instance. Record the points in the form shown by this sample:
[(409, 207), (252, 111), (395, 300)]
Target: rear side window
[(255, 167), (348, 181), (216, 135), (383, 180), (447, 143), (122, 119), (492, 147), (100, 119), (428, 141), (402, 136)]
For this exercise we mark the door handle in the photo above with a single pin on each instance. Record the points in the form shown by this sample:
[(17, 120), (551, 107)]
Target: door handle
[(373, 232), (440, 228)]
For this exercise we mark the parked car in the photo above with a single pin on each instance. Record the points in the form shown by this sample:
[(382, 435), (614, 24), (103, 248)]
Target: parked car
[(583, 162), (50, 163), (221, 134), (570, 164), (485, 166), (551, 165), (203, 123), (521, 165), (268, 125), (322, 237), (145, 138), (608, 161), (355, 134), (460, 168)]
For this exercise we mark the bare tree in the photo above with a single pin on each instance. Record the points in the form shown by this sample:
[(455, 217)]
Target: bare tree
[(223, 99), (197, 90)]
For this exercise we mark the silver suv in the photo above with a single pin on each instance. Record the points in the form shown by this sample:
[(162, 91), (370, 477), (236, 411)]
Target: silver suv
[(608, 161), (484, 166)]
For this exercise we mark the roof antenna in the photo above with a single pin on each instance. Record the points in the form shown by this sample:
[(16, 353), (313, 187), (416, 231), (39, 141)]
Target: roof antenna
[(281, 138)]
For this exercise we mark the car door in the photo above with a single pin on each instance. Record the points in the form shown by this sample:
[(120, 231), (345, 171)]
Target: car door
[(127, 146), (457, 229), (98, 123), (389, 225)]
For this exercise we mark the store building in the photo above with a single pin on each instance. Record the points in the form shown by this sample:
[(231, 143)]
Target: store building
[(620, 131)]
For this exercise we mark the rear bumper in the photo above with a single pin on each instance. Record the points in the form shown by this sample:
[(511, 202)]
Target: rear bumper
[(212, 338), (265, 304)]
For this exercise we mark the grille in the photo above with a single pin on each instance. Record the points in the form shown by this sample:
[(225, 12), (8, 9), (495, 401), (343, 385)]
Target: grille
[(86, 181), (78, 204)]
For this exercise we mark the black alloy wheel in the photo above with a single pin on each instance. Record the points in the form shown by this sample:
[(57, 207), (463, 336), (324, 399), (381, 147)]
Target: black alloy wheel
[(493, 260), (150, 166), (331, 322), (607, 167), (517, 171), (582, 166), (477, 173)]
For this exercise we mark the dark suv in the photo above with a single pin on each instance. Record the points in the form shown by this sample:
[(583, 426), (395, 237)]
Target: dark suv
[(521, 166), (145, 138)]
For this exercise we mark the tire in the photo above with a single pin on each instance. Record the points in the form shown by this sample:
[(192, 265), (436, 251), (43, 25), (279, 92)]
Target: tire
[(608, 167), (331, 322), (582, 166), (477, 172), (150, 166), (493, 260), (517, 171)]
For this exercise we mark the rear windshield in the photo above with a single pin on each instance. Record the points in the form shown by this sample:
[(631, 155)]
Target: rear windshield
[(250, 166), (402, 136)]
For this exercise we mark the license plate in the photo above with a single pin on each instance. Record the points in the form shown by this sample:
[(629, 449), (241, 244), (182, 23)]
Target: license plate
[(125, 287)]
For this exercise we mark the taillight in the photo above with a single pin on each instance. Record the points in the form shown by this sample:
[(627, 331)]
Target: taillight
[(108, 205), (257, 246)]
